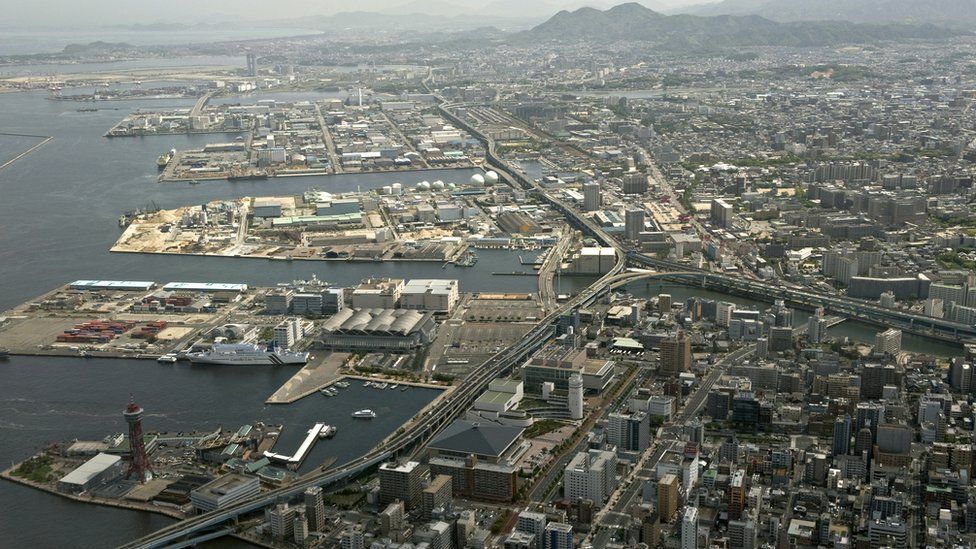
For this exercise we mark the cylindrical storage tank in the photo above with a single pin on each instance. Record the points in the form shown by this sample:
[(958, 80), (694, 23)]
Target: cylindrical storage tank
[(397, 189), (387, 189)]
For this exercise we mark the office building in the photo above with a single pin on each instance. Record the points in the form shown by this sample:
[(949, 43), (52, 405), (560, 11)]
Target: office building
[(224, 491), (352, 538), (377, 293), (300, 527), (737, 494), (281, 517), (629, 431), (590, 475)]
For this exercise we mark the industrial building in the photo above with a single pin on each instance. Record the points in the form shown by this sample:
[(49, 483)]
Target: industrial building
[(436, 295), (377, 293)]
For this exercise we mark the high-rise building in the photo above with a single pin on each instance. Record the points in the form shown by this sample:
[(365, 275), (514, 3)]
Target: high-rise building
[(689, 528), (842, 435), (869, 415), (888, 341), (591, 197), (633, 223), (300, 528), (559, 535), (353, 538), (629, 431), (816, 327), (742, 534), (634, 183), (533, 523), (437, 494), (575, 396), (139, 466), (723, 313), (590, 475), (721, 214), (668, 491), (252, 65), (737, 494), (282, 520), (315, 509), (675, 356), (401, 481)]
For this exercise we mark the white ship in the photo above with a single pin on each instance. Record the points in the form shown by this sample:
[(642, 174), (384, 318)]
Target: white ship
[(328, 431), (168, 358), (245, 354), (364, 414)]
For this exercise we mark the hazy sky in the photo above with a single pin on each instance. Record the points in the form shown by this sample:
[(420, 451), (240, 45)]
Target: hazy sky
[(93, 13)]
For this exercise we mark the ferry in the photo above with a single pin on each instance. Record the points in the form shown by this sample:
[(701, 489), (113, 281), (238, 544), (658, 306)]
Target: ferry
[(163, 159), (328, 431), (364, 414), (168, 358), (246, 354)]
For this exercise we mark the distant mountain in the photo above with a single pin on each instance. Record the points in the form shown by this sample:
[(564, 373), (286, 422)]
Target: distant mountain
[(959, 14), (635, 22)]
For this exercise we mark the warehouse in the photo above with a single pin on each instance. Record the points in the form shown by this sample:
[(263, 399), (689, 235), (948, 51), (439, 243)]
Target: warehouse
[(98, 470), (439, 296)]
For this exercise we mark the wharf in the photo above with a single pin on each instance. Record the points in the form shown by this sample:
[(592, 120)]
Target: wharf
[(295, 460), (320, 372)]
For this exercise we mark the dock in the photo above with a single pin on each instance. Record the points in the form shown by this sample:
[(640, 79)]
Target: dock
[(320, 372), (293, 461)]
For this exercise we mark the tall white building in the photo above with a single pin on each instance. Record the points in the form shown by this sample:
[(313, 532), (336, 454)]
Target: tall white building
[(533, 523), (723, 313), (689, 528), (888, 341), (590, 475), (575, 396)]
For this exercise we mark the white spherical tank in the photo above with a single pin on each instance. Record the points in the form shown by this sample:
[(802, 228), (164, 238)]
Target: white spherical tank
[(491, 178), (478, 180), (438, 185), (423, 186)]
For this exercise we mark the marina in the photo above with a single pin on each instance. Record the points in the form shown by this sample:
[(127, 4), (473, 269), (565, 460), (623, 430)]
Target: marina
[(294, 460)]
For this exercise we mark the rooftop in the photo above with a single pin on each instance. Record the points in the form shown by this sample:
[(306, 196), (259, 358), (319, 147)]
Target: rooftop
[(467, 437)]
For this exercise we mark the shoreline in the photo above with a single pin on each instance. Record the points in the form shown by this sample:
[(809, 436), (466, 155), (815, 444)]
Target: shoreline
[(472, 166), (8, 475)]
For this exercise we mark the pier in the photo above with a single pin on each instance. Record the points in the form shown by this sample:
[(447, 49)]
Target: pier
[(320, 372), (295, 460), (44, 140)]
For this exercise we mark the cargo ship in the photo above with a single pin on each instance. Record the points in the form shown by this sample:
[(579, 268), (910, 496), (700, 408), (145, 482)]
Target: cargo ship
[(245, 354)]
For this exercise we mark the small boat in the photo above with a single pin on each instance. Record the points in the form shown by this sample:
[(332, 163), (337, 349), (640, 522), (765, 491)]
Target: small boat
[(366, 384), (327, 431), (168, 358), (194, 182), (381, 385), (404, 388), (329, 392), (342, 384), (364, 414), (394, 386), (4, 354), (85, 354)]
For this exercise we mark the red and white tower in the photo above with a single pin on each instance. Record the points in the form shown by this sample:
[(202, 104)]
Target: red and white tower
[(139, 464)]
